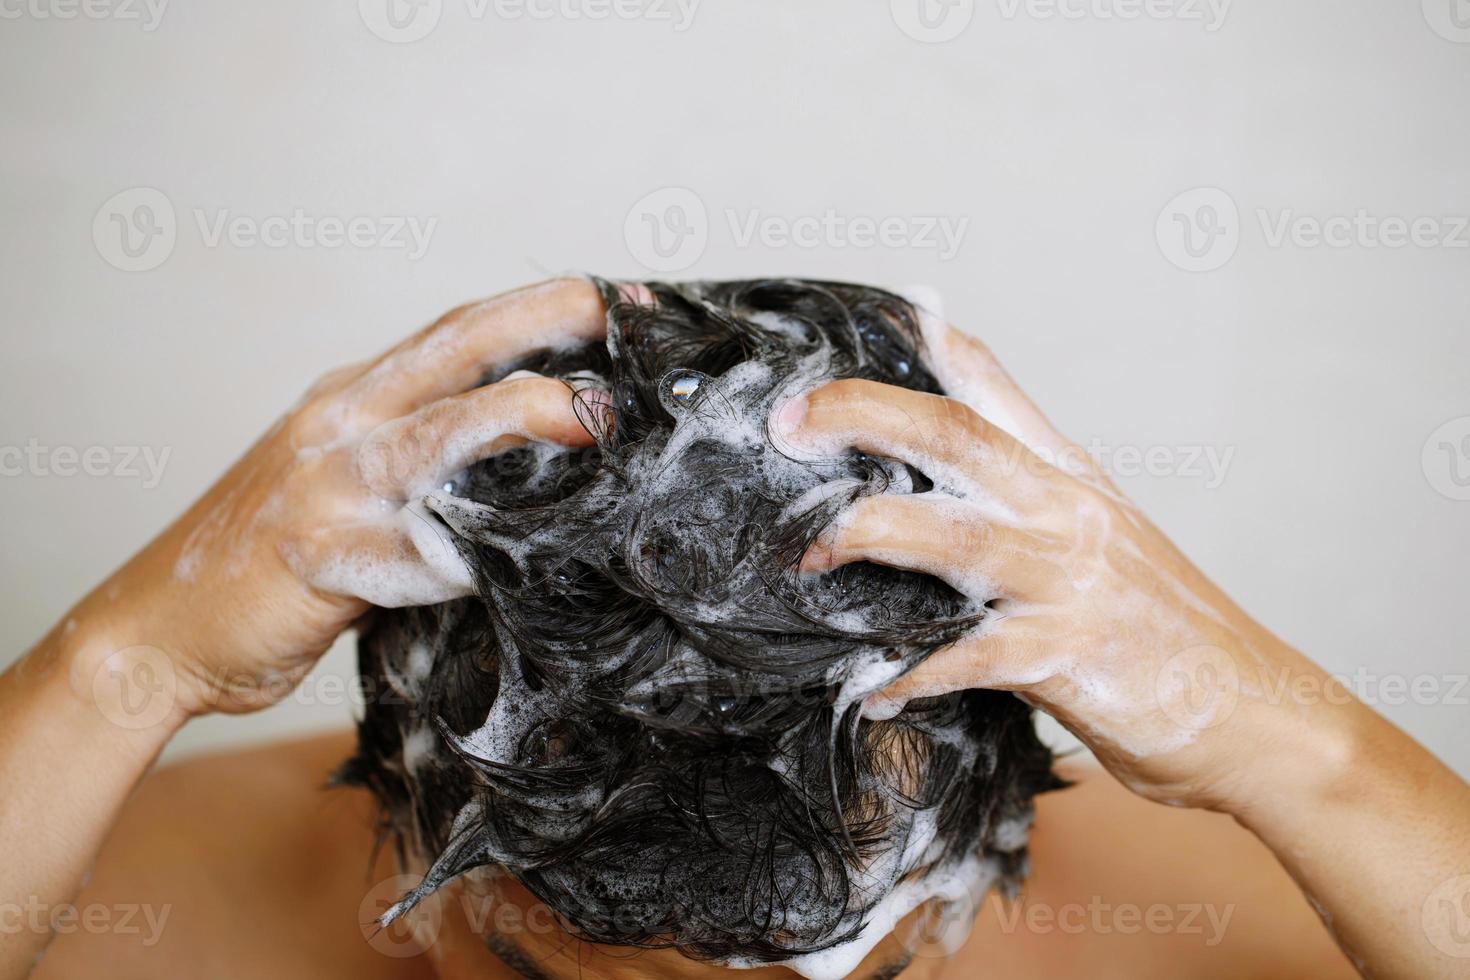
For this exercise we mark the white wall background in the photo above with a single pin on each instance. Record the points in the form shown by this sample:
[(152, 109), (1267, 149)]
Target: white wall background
[(1060, 140)]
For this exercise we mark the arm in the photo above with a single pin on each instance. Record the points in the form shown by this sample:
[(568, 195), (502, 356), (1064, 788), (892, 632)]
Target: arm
[(1100, 621), (67, 771), (230, 607)]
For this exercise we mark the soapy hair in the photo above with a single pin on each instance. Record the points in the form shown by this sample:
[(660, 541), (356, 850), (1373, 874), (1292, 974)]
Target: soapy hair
[(646, 714)]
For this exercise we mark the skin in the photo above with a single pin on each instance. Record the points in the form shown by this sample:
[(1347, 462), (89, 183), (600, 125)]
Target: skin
[(1104, 624), (1100, 622), (223, 611), (1103, 857)]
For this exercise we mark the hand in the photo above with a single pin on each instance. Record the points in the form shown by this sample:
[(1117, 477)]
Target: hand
[(323, 517), (1096, 617)]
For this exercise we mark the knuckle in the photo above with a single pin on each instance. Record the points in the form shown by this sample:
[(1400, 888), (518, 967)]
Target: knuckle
[(394, 454), (319, 420), (952, 413), (573, 284), (977, 346), (853, 390), (542, 402), (457, 315), (857, 531), (538, 388), (449, 324), (973, 538), (843, 401), (331, 408), (375, 463), (333, 381), (884, 521)]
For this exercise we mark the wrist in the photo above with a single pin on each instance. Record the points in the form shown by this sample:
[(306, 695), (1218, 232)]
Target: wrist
[(113, 686), (128, 648), (1302, 758)]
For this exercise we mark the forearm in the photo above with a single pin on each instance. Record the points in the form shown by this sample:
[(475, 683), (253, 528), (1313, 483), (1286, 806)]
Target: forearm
[(75, 742), (1377, 833), (232, 605)]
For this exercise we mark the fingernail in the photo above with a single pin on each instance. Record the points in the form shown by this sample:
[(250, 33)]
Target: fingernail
[(599, 402), (788, 418), (879, 707), (635, 294)]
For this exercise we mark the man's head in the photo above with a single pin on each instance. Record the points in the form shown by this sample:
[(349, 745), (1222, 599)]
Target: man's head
[(647, 714)]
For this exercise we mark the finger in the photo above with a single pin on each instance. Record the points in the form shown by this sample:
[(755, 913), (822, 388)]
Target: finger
[(1001, 657), (950, 539), (409, 559), (946, 439), (636, 294), (969, 371), (335, 381), (407, 457), (455, 353)]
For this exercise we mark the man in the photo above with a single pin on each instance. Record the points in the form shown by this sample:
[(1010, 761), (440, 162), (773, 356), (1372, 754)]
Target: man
[(1034, 578)]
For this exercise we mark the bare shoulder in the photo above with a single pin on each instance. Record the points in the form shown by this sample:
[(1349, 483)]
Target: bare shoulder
[(242, 864), (1124, 887)]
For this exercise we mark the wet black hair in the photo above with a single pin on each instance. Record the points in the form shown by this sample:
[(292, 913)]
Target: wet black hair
[(646, 714)]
